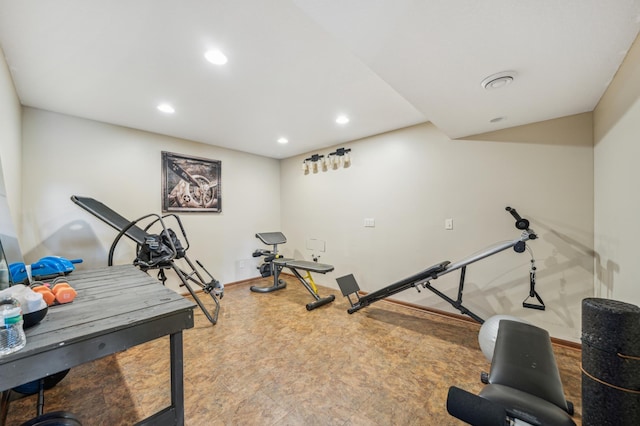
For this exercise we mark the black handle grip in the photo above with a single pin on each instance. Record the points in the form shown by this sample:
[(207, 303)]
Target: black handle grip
[(311, 306), (520, 222)]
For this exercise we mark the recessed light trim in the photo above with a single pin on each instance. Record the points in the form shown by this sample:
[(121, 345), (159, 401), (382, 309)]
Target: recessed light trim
[(342, 119), (216, 57), (283, 141), (166, 108)]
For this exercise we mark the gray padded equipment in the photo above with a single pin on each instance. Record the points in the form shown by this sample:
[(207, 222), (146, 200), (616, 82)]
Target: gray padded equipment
[(295, 266), (524, 382)]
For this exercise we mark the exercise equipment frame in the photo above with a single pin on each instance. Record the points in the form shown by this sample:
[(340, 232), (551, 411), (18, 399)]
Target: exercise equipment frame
[(349, 286), (278, 263), (166, 243)]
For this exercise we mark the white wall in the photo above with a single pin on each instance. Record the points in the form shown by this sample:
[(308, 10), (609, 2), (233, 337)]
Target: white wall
[(10, 140), (617, 201), (121, 167), (410, 180)]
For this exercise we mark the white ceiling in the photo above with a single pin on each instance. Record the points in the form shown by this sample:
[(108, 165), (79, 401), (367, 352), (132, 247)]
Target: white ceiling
[(294, 65)]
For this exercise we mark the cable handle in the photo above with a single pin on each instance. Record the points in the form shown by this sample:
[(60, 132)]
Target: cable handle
[(521, 223)]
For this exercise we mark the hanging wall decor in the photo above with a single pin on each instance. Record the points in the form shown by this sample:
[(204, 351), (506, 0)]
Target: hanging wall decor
[(190, 184)]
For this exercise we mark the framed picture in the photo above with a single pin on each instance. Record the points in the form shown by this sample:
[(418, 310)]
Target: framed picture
[(190, 184)]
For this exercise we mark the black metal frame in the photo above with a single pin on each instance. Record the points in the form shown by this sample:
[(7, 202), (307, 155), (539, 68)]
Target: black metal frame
[(141, 236), (423, 279), (277, 263), (273, 239), (208, 287)]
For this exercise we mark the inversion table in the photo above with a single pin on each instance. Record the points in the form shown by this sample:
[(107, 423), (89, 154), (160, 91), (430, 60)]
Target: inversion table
[(158, 251), (295, 266)]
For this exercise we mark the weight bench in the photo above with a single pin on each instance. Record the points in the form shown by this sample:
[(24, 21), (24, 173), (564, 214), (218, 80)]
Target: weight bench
[(349, 286), (158, 251), (423, 279), (295, 266), (524, 383)]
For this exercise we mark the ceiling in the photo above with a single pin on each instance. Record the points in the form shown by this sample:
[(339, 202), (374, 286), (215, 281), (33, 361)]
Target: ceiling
[(295, 65)]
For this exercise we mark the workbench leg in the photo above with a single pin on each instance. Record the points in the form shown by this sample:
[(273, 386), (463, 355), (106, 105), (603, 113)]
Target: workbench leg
[(4, 406), (177, 376)]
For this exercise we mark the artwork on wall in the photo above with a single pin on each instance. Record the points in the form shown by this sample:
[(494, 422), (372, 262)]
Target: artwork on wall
[(190, 184)]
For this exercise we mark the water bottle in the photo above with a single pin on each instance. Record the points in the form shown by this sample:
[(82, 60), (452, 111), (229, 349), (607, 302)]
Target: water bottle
[(12, 337)]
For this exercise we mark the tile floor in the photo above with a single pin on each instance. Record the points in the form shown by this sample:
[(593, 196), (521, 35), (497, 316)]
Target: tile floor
[(269, 361)]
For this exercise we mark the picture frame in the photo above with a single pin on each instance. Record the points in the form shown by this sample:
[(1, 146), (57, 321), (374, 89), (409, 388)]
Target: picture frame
[(190, 184)]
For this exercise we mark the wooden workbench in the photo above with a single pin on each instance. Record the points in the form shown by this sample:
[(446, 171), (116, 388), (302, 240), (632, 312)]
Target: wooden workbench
[(116, 308)]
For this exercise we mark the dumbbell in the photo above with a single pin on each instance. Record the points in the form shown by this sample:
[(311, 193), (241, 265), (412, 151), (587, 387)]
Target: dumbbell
[(58, 292)]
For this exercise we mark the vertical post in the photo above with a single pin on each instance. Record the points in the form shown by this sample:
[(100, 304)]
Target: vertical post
[(4, 406), (177, 375), (461, 285)]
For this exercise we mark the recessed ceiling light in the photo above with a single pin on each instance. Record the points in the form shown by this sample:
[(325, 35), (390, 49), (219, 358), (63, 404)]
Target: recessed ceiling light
[(342, 119), (216, 57), (283, 140), (166, 108), (496, 81)]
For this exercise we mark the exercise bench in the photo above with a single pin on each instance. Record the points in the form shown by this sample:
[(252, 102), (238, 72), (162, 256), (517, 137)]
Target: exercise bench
[(278, 263), (349, 286), (523, 385)]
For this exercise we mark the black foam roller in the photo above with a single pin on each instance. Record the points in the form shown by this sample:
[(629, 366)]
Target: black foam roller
[(611, 375)]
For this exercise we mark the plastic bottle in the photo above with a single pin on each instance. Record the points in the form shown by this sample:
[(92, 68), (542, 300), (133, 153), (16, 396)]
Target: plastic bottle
[(12, 337)]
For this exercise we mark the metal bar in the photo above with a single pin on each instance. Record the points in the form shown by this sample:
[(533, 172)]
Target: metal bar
[(304, 282), (461, 285), (177, 376), (453, 303), (496, 248), (181, 274)]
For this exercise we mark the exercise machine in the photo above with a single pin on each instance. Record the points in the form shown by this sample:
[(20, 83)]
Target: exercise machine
[(523, 386), (275, 263), (266, 268), (159, 251), (349, 286)]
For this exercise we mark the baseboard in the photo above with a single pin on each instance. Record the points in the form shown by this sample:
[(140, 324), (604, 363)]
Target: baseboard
[(560, 342)]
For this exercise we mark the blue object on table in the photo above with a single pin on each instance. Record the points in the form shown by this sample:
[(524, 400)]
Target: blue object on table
[(45, 268)]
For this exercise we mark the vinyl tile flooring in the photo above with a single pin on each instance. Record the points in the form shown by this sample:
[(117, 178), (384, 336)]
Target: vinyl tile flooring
[(269, 361)]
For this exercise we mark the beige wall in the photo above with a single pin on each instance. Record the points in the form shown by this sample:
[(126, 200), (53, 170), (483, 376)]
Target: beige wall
[(580, 199), (121, 167), (411, 180), (10, 140), (617, 201)]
